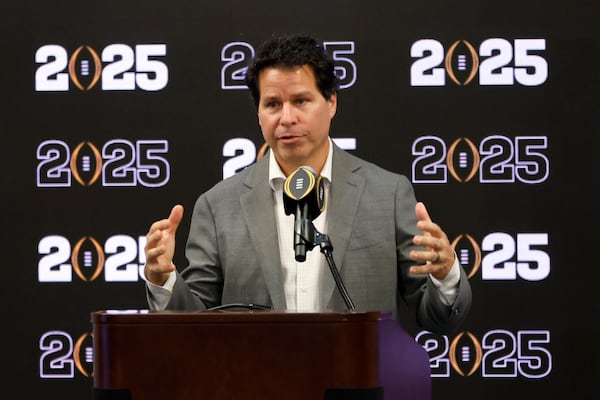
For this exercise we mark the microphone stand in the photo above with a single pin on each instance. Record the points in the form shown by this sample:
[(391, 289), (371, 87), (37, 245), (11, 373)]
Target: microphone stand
[(313, 238)]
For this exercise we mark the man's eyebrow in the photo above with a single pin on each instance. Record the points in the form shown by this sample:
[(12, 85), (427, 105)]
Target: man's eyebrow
[(269, 97), (303, 93)]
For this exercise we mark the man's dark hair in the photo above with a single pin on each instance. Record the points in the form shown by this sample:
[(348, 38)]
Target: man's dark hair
[(293, 50)]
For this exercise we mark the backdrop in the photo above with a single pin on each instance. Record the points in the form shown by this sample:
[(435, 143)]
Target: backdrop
[(115, 111)]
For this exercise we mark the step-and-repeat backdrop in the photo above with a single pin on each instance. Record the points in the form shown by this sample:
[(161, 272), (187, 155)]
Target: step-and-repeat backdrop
[(115, 111)]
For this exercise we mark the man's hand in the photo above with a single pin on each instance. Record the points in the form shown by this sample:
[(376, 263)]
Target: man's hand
[(160, 247), (439, 254)]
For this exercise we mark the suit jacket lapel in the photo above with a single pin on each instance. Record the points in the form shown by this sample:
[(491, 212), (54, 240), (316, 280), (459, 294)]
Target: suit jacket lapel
[(344, 196), (258, 208)]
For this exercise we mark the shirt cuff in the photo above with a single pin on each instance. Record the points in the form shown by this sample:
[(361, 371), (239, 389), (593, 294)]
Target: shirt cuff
[(160, 295), (448, 287)]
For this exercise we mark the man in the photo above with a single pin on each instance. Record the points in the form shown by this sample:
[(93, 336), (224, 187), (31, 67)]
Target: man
[(240, 244)]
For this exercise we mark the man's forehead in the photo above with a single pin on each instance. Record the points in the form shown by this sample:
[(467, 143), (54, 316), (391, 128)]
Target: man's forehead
[(289, 84)]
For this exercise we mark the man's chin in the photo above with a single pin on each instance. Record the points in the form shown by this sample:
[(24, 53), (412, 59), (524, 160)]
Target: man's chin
[(291, 157)]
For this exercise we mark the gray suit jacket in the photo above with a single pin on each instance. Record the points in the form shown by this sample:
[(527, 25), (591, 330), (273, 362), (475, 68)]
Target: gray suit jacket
[(233, 250)]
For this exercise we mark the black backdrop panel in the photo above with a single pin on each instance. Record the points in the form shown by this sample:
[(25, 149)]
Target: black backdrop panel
[(115, 111)]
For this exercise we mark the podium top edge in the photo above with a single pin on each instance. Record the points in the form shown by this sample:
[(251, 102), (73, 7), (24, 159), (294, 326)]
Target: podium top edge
[(145, 316)]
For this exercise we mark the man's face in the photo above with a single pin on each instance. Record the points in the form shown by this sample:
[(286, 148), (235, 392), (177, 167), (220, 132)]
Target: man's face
[(295, 117)]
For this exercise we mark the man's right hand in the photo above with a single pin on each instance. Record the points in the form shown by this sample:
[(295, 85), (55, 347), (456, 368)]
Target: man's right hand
[(160, 247)]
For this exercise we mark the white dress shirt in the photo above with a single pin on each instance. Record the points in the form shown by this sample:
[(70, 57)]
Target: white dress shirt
[(302, 281)]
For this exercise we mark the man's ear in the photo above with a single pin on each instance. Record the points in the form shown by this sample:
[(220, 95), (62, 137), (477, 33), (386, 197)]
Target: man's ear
[(332, 105)]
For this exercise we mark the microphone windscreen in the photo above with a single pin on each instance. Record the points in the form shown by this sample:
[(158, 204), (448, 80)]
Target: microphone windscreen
[(300, 183), (304, 185)]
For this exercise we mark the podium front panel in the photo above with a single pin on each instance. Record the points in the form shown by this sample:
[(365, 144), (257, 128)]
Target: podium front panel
[(235, 355)]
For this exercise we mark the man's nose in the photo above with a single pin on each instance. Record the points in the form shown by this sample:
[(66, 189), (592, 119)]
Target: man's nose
[(288, 115)]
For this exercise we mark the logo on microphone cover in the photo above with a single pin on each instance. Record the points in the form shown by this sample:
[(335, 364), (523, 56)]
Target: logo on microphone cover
[(305, 184)]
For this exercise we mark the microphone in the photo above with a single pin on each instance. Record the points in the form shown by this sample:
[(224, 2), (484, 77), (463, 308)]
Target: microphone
[(303, 196)]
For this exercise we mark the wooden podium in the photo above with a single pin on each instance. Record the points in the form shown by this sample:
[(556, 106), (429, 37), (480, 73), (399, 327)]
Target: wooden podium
[(266, 355)]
